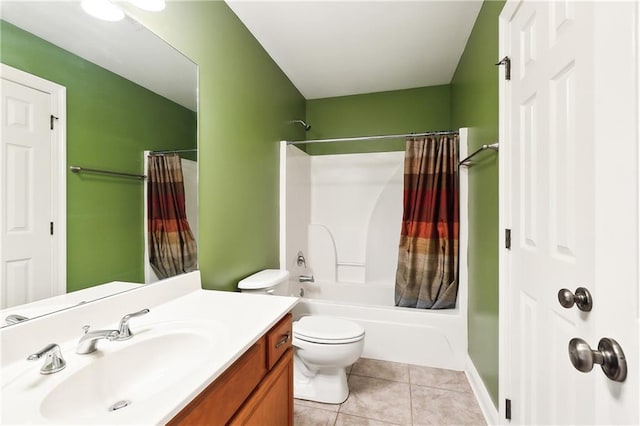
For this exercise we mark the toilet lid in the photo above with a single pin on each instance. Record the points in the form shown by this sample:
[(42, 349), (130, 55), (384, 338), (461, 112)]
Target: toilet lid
[(325, 329)]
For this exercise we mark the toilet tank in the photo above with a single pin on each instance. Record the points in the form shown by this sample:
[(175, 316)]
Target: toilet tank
[(268, 281)]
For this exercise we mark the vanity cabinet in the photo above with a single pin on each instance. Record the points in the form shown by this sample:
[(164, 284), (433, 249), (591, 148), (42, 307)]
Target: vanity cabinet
[(256, 390)]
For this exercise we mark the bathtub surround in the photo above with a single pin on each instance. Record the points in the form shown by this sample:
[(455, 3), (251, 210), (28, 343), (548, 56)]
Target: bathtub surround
[(427, 275), (356, 202)]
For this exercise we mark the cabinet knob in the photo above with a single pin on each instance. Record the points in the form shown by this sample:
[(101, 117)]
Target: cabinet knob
[(283, 340)]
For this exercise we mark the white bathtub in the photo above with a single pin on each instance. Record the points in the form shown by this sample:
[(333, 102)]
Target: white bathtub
[(434, 338)]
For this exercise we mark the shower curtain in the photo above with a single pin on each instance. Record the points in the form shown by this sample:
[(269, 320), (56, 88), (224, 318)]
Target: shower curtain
[(172, 247), (427, 274)]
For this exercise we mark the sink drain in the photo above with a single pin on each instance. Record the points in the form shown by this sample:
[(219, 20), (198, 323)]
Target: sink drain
[(120, 404)]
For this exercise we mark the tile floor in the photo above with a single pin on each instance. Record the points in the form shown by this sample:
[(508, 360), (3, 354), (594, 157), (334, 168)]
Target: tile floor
[(388, 393)]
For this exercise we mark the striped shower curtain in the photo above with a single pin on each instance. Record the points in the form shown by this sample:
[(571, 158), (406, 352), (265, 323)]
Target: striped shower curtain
[(172, 247), (427, 274)]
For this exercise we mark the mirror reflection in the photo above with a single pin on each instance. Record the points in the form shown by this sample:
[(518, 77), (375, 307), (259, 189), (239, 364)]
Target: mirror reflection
[(105, 97)]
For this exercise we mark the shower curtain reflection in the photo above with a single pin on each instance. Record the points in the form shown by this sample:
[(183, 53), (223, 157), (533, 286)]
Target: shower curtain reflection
[(172, 246)]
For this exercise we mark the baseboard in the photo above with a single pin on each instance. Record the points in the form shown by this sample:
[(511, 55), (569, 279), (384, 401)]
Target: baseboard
[(489, 410)]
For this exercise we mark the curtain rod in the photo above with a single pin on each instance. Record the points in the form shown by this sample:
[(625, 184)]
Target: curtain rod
[(78, 169), (376, 137), (171, 151), (494, 146)]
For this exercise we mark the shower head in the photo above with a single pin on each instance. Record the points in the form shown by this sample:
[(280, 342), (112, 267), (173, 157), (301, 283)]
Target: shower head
[(302, 123)]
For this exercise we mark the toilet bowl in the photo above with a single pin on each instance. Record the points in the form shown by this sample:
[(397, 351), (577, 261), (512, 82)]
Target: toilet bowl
[(324, 346)]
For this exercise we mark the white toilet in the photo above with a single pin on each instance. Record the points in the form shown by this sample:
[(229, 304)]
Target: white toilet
[(323, 346)]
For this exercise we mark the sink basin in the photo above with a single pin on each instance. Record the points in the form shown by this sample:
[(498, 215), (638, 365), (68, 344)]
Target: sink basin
[(123, 374)]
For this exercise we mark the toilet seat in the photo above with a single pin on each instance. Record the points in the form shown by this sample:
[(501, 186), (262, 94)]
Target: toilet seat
[(327, 330)]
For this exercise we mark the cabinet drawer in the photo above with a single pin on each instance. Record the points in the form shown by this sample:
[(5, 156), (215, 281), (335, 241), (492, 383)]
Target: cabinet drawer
[(216, 404), (279, 339)]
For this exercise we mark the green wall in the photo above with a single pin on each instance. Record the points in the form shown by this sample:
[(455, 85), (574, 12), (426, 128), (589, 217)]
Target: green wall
[(475, 105), (110, 122), (245, 104), (399, 111)]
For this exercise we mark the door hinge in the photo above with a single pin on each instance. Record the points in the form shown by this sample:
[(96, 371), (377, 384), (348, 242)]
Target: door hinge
[(507, 238), (506, 61), (52, 117), (51, 228), (507, 409)]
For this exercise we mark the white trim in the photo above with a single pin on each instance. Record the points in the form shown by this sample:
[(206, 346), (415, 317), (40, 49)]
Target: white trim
[(283, 205), (489, 410), (463, 252), (149, 275), (504, 219), (58, 95)]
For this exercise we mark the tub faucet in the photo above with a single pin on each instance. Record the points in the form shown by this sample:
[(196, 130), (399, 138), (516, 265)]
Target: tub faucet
[(124, 332), (306, 278), (53, 361), (89, 342)]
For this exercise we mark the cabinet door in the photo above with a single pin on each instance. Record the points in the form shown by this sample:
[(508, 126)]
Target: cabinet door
[(218, 403), (272, 402)]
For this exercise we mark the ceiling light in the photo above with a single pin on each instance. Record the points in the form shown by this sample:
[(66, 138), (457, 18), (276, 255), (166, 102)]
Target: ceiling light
[(149, 5), (102, 9)]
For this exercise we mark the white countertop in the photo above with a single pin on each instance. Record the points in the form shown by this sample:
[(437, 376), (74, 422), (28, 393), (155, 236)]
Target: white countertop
[(232, 322)]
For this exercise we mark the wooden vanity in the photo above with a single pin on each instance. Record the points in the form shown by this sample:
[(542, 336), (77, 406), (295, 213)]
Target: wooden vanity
[(256, 390)]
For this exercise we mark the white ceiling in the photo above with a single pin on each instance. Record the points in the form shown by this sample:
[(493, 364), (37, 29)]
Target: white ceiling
[(125, 47), (336, 48)]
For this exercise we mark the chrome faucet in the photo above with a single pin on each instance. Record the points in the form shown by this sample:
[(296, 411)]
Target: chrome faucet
[(89, 342), (306, 278), (15, 319), (124, 332), (53, 361)]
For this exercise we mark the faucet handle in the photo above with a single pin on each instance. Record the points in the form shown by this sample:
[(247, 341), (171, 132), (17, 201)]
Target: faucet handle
[(53, 361), (124, 330)]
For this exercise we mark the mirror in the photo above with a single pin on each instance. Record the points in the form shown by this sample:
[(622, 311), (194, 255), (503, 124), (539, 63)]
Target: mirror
[(127, 92)]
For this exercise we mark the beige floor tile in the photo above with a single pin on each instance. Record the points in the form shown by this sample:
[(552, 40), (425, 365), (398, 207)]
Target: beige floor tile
[(433, 406), (377, 399), (381, 370), (319, 405), (308, 416), (439, 378), (349, 420)]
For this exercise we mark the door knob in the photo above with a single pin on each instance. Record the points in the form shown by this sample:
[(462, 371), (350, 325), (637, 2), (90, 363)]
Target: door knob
[(609, 355), (582, 299)]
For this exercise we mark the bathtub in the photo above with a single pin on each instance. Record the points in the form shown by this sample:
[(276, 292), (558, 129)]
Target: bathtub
[(433, 338)]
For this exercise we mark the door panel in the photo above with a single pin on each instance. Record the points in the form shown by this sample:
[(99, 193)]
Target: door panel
[(26, 255), (553, 244), (570, 136)]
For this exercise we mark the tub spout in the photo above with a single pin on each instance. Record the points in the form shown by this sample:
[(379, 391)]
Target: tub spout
[(306, 278)]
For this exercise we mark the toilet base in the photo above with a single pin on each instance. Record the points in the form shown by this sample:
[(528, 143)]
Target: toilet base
[(329, 386)]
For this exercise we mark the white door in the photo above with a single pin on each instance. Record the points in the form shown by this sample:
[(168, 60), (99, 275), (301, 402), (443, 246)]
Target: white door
[(564, 106), (26, 268)]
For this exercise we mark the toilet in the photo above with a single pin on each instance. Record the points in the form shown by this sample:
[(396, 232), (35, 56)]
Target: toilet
[(324, 346)]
